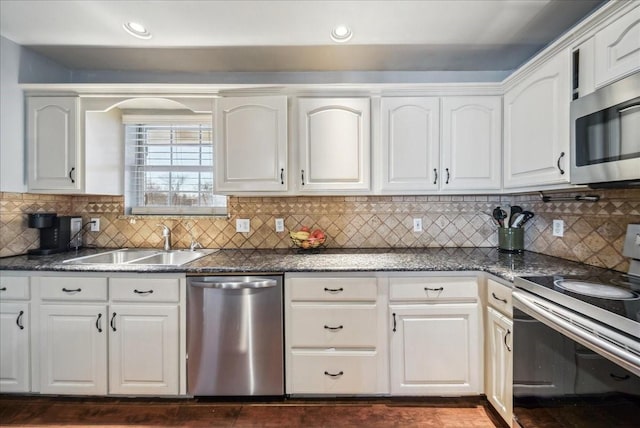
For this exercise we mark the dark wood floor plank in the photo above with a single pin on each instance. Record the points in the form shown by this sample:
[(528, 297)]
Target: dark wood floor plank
[(16, 411)]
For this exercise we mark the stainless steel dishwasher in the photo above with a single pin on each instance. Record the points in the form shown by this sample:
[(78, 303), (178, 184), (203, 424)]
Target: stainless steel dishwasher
[(235, 336)]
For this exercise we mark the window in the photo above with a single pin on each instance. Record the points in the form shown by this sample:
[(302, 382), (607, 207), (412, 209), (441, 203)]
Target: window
[(170, 166)]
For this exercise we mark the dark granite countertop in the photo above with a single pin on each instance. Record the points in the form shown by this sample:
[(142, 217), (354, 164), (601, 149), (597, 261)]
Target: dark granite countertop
[(490, 260)]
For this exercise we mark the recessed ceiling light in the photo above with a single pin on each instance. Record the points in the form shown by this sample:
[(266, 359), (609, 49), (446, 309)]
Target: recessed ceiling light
[(137, 30), (341, 34)]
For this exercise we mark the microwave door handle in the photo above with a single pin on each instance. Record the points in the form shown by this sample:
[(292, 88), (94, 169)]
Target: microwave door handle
[(631, 107)]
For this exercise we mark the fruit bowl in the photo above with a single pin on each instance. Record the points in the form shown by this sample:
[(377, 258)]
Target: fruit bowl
[(307, 240)]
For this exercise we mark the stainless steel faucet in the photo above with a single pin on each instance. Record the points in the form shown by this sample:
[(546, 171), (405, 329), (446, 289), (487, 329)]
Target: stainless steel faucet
[(166, 234)]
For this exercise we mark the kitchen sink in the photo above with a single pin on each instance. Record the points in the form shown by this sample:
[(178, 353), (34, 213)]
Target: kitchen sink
[(142, 257)]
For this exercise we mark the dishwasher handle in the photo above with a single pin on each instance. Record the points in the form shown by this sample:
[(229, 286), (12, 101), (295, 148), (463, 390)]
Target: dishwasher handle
[(234, 283)]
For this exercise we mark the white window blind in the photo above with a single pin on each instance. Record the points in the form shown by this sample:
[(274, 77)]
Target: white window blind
[(170, 166)]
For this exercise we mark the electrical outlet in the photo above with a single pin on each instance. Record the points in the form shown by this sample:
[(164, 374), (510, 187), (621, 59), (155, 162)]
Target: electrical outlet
[(95, 224), (243, 225), (417, 225), (558, 228), (279, 225)]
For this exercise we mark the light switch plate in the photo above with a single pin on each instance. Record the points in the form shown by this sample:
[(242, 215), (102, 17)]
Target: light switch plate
[(95, 224), (558, 228), (243, 225), (279, 225), (417, 225)]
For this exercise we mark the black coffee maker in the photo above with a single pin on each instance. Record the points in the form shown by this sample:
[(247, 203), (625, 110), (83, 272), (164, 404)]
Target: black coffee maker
[(55, 232)]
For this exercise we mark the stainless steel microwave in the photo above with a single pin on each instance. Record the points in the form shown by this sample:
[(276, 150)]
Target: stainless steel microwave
[(605, 135)]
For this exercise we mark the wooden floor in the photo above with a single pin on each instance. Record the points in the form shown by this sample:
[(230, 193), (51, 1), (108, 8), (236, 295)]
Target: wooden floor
[(120, 412)]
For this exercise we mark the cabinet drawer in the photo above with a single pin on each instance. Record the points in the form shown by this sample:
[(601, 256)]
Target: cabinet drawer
[(73, 288), (144, 289), (14, 287), (333, 326), (333, 372), (499, 296), (333, 289), (432, 289)]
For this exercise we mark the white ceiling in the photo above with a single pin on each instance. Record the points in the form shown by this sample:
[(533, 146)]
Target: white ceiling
[(265, 35)]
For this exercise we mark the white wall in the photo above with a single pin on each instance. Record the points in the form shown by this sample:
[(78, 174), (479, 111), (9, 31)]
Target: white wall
[(17, 65), (11, 120)]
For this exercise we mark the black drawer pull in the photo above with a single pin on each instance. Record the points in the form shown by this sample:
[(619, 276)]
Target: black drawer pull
[(619, 378), (334, 374), (505, 340), (333, 290), (433, 289), (558, 163), (99, 324), (394, 322), (281, 175), (435, 176), (143, 292), (66, 290), (19, 320), (113, 322), (340, 327), (302, 176), (71, 176), (498, 298), (3, 289), (448, 175)]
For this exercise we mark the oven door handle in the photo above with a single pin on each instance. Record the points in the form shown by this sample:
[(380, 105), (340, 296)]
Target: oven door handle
[(622, 357)]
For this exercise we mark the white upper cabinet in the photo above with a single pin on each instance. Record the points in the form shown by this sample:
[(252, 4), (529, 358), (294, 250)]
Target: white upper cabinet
[(251, 144), (72, 149), (334, 145), (431, 144), (536, 126), (53, 144), (471, 143), (617, 48), (410, 149)]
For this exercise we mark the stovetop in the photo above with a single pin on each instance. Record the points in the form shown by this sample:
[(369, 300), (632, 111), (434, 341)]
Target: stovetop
[(612, 299)]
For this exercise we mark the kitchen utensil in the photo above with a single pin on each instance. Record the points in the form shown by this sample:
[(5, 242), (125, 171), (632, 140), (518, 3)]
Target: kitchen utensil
[(515, 209), (523, 217), (517, 220), (499, 214)]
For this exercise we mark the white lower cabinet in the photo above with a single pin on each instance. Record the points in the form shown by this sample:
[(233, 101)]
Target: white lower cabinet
[(14, 347), (435, 336), (143, 349), (335, 335), (434, 349), (73, 349), (15, 328), (498, 349), (109, 335), (332, 371), (499, 382)]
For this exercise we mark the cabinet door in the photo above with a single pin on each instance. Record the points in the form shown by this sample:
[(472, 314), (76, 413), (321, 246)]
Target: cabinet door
[(53, 144), (617, 48), (251, 144), (435, 349), (73, 349), (334, 138), (536, 127), (500, 365), (14, 347), (143, 349), (410, 143), (471, 143)]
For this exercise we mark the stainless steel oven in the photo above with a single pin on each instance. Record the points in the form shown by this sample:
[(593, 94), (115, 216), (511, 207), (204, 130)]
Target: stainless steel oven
[(605, 135), (576, 348)]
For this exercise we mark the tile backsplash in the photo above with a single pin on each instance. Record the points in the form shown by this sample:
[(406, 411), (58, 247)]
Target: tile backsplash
[(594, 232)]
